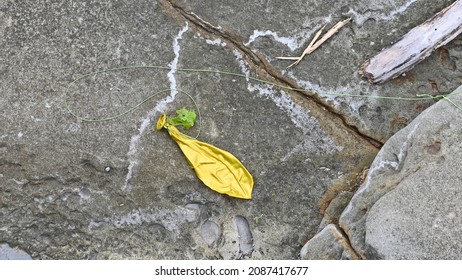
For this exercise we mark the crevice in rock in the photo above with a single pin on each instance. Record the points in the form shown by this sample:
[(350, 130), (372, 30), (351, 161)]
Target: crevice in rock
[(348, 245), (262, 68), (334, 205)]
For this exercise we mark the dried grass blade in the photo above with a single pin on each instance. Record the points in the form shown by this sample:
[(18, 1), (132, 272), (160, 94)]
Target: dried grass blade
[(329, 34), (316, 44), (316, 36), (288, 57)]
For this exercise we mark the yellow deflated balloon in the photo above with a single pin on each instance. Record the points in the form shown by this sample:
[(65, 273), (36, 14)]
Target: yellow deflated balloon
[(218, 169)]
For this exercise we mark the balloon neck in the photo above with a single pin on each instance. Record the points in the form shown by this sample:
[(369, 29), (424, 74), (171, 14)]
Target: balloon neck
[(161, 122)]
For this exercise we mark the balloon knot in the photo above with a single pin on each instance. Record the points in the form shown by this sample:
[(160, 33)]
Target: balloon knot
[(161, 122)]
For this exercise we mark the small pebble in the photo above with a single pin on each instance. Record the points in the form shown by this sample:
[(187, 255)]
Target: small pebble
[(210, 232), (244, 235), (107, 169)]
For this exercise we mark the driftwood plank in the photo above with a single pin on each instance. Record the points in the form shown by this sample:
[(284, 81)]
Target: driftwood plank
[(415, 46)]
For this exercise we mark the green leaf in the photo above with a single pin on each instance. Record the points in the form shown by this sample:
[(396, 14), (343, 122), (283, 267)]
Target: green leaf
[(184, 117)]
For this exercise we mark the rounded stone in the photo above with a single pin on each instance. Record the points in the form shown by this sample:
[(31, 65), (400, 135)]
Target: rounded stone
[(210, 232), (158, 231)]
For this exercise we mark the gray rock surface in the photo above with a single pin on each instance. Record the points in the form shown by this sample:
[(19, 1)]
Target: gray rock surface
[(336, 207), (410, 207), (329, 244), (272, 29), (59, 200)]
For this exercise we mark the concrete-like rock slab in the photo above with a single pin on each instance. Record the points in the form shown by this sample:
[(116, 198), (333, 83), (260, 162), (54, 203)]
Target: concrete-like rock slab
[(409, 206), (272, 29), (119, 189), (59, 199)]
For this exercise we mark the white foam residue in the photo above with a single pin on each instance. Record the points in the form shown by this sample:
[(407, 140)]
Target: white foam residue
[(290, 42), (334, 95), (379, 165), (299, 117), (172, 220), (242, 64), (361, 18), (19, 182), (365, 186), (405, 146), (331, 94), (95, 224), (376, 166), (216, 42), (399, 10), (146, 122), (218, 27), (174, 64)]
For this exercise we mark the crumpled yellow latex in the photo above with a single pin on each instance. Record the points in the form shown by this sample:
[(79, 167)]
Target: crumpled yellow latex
[(218, 169)]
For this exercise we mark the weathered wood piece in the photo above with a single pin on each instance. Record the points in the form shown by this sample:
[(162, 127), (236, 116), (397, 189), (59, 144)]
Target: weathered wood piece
[(415, 46)]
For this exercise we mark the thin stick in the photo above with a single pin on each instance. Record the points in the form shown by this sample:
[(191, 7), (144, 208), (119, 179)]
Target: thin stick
[(310, 45), (316, 36), (314, 45)]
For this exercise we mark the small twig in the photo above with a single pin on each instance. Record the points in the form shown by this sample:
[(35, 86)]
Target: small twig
[(316, 44), (309, 49), (316, 36)]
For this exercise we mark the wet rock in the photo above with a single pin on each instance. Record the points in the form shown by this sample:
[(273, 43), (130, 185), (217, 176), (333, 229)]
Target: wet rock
[(210, 232), (244, 236), (329, 244), (409, 205)]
